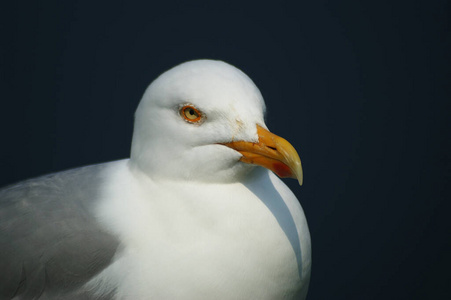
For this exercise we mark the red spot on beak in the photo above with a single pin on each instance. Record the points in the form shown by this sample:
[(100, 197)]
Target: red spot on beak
[(282, 170)]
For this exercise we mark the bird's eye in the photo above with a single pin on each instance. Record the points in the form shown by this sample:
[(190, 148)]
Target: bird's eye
[(191, 114)]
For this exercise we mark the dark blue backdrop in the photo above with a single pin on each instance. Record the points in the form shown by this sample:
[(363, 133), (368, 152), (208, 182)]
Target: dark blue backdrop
[(359, 87)]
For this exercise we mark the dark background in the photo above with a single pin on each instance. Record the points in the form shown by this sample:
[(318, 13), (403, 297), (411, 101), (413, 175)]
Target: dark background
[(360, 88)]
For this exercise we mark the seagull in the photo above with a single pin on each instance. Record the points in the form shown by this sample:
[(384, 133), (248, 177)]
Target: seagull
[(196, 212)]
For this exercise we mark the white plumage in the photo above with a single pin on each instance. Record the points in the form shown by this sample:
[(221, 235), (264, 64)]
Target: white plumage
[(190, 219)]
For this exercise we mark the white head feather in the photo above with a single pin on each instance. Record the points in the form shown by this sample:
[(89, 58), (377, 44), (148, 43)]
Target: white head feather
[(165, 146)]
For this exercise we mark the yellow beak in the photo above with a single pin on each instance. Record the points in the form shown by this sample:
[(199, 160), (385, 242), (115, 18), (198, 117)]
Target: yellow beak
[(271, 152)]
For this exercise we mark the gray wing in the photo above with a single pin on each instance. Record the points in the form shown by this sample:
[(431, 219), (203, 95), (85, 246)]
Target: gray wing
[(50, 243)]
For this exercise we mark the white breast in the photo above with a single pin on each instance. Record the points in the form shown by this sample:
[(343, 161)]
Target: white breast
[(204, 241)]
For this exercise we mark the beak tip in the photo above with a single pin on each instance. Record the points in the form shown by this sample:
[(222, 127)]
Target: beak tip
[(299, 173), (300, 179)]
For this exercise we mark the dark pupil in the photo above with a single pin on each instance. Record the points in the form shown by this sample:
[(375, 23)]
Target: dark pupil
[(191, 112)]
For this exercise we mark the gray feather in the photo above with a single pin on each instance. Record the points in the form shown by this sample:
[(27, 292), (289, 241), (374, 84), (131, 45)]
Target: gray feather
[(50, 243)]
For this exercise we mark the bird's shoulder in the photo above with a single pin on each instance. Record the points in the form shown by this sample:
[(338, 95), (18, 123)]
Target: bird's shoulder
[(49, 240)]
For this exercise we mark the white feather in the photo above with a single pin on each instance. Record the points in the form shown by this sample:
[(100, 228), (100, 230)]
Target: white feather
[(193, 221)]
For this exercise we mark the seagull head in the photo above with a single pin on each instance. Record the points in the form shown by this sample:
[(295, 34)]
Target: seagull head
[(203, 120)]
